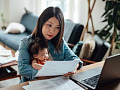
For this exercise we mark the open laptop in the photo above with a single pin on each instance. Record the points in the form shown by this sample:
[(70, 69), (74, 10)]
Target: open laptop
[(99, 77)]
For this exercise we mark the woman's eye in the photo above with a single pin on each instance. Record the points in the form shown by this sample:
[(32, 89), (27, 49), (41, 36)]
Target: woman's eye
[(49, 25), (58, 27)]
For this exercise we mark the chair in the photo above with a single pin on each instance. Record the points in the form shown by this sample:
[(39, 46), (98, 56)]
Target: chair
[(72, 32), (101, 47)]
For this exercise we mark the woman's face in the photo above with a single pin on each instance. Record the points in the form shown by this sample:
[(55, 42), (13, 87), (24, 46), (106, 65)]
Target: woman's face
[(51, 28)]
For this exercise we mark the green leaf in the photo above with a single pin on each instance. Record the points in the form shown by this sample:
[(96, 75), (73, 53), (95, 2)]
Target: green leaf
[(117, 46), (116, 8), (118, 13), (108, 29), (109, 13), (104, 13), (118, 23), (103, 33), (104, 27), (109, 5), (107, 36), (110, 20), (97, 31), (105, 20), (110, 39)]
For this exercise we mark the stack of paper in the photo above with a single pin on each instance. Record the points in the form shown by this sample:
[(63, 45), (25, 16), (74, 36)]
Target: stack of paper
[(5, 53), (4, 60), (6, 56), (59, 83)]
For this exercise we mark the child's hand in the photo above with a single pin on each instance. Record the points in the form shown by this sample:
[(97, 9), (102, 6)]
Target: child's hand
[(40, 66), (37, 66), (48, 60)]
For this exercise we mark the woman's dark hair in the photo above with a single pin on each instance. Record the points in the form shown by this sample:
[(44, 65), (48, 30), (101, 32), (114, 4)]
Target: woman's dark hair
[(36, 45), (47, 14)]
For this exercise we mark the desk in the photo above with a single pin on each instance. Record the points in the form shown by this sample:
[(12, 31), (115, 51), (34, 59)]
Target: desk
[(9, 64), (84, 68), (12, 75)]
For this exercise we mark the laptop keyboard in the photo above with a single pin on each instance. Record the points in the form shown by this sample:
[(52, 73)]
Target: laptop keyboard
[(91, 81)]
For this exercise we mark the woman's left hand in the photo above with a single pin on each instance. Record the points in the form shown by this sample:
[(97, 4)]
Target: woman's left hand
[(69, 74)]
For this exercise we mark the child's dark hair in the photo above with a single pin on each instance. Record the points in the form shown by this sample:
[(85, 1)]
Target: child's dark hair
[(36, 45)]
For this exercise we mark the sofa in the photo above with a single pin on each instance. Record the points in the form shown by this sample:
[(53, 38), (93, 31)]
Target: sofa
[(72, 31)]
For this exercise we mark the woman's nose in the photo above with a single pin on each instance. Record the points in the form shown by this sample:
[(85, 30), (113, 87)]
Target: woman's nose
[(52, 30)]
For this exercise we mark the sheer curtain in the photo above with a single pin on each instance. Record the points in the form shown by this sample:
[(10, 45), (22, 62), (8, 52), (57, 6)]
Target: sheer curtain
[(71, 8), (76, 10)]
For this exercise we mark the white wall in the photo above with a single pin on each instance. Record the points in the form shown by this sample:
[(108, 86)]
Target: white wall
[(96, 14), (14, 9)]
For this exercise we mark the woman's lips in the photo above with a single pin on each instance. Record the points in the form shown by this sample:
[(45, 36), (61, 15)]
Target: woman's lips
[(50, 35)]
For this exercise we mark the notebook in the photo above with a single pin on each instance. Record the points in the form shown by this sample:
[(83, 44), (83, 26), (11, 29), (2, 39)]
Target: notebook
[(99, 77)]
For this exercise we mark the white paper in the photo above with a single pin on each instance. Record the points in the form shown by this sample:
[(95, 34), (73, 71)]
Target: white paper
[(4, 60), (52, 68), (59, 83), (5, 53)]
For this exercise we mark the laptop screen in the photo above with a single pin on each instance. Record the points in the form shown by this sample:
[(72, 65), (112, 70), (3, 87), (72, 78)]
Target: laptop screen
[(111, 71)]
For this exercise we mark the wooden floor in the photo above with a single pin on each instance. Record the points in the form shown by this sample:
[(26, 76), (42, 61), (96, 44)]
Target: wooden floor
[(9, 82)]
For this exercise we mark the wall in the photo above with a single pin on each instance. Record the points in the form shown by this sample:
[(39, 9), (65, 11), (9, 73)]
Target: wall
[(78, 10), (96, 14), (14, 9)]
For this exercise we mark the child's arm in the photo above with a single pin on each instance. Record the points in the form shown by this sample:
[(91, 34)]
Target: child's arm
[(35, 65)]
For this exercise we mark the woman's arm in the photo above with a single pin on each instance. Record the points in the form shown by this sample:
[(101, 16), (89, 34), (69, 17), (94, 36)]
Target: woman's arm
[(69, 55), (24, 67), (35, 65)]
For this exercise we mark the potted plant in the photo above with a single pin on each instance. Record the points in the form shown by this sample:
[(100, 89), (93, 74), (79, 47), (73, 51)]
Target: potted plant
[(111, 31), (3, 21)]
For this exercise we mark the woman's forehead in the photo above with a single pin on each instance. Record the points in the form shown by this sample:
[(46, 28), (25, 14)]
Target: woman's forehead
[(53, 20)]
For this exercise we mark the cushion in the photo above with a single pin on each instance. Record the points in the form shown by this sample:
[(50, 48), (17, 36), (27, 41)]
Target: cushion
[(15, 27), (29, 21), (88, 46), (77, 48)]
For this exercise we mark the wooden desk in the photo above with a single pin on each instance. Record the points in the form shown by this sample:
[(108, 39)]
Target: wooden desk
[(9, 64), (84, 68)]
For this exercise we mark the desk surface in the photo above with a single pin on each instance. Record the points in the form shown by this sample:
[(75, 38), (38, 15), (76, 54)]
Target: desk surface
[(84, 68), (9, 64)]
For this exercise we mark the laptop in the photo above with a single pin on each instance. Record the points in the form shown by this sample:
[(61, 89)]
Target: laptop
[(99, 77)]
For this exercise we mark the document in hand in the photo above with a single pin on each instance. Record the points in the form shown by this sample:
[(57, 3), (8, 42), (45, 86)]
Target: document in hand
[(53, 68)]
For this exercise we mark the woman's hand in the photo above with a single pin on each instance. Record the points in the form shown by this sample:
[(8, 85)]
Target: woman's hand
[(69, 74)]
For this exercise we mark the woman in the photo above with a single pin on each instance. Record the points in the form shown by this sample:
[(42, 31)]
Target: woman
[(50, 28)]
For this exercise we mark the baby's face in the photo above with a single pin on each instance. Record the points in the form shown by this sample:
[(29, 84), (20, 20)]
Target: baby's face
[(43, 54)]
